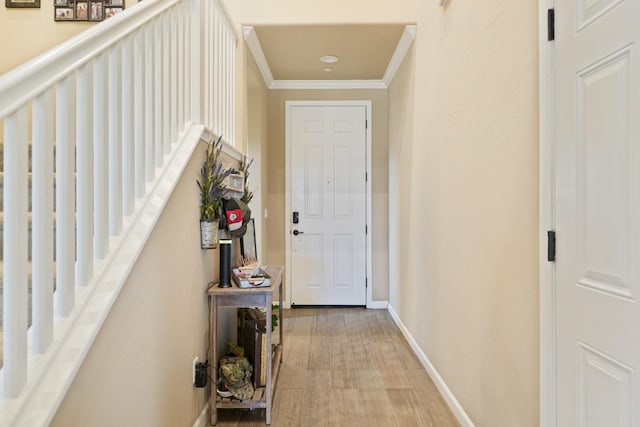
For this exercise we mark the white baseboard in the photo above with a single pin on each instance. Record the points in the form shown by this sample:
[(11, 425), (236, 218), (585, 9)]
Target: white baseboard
[(454, 405), (203, 418), (378, 305)]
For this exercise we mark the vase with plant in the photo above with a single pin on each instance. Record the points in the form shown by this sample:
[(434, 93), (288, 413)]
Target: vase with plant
[(212, 191)]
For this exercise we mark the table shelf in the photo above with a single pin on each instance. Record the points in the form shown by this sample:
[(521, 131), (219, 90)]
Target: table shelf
[(248, 297), (259, 398)]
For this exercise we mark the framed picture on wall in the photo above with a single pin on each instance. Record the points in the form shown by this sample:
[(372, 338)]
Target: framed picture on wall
[(248, 249), (81, 11), (85, 10), (64, 14), (110, 11), (22, 3), (95, 11)]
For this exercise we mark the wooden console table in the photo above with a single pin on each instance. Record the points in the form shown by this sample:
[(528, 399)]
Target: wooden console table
[(252, 297)]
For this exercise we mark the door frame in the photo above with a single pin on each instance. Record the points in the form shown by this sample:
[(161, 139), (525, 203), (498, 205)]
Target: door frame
[(547, 212), (287, 190)]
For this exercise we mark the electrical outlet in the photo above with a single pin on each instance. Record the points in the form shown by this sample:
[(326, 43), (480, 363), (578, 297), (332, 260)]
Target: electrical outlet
[(193, 373), (201, 375)]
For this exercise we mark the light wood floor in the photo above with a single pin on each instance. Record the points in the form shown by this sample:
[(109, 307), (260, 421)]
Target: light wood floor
[(348, 367)]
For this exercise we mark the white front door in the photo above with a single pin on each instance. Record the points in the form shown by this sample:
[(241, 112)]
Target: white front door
[(328, 196), (598, 212)]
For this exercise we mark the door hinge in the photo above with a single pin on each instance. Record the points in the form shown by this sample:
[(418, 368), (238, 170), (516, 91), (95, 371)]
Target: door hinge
[(366, 282), (551, 24), (366, 177), (366, 229), (551, 245), (366, 124)]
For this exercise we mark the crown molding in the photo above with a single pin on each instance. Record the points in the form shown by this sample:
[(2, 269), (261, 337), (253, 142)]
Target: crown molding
[(402, 48), (255, 47), (327, 84)]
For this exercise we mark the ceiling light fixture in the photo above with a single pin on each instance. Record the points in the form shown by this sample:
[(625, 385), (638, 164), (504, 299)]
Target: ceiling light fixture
[(328, 70), (329, 59)]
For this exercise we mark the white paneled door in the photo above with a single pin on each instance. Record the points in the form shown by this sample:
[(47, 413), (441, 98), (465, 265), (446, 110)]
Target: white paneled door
[(328, 196), (598, 213)]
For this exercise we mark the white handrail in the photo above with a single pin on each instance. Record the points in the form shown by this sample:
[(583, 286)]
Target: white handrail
[(26, 81)]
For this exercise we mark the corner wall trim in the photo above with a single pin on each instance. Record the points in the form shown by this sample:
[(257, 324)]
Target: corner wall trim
[(203, 418), (452, 402), (255, 47), (402, 48)]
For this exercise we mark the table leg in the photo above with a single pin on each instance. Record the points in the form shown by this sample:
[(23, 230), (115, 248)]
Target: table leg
[(281, 314), (213, 358), (269, 360)]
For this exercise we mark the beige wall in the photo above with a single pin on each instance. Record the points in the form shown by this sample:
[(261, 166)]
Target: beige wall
[(26, 33), (253, 12), (257, 149), (138, 372), (401, 104), (276, 160), (464, 175)]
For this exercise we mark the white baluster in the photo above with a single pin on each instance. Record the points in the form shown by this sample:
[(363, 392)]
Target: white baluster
[(206, 66), (116, 210), (100, 161), (159, 100), (228, 104), (210, 96), (166, 85), (225, 83), (180, 80), (222, 77), (195, 90), (84, 170), (217, 79), (128, 184), (232, 86), (186, 43), (42, 223), (214, 68), (173, 99), (15, 299), (138, 124), (149, 115), (215, 60), (65, 196)]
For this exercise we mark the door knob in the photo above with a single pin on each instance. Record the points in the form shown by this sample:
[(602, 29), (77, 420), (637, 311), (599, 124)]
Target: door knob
[(296, 232)]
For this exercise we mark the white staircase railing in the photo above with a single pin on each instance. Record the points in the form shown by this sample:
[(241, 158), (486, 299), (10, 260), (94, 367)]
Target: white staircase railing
[(111, 103)]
